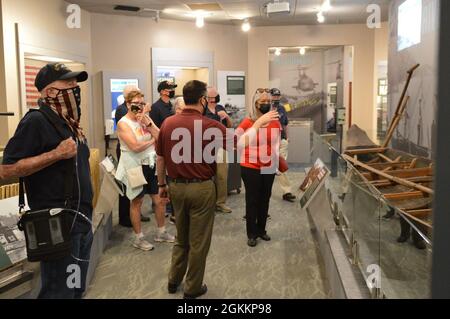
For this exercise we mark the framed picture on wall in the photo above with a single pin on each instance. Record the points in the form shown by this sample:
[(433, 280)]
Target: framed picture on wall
[(235, 85)]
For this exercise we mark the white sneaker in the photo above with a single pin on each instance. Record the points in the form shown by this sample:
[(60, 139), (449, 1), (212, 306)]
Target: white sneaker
[(142, 244), (165, 237)]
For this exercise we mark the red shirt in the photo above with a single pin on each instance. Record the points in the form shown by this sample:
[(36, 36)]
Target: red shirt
[(183, 149), (257, 154)]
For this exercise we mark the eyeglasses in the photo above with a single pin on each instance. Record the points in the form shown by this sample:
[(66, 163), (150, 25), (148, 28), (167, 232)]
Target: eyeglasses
[(260, 90)]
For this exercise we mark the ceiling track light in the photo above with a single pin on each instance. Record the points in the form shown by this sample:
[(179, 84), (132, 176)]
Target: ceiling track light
[(320, 17), (246, 26), (200, 21), (278, 52), (302, 51), (326, 6)]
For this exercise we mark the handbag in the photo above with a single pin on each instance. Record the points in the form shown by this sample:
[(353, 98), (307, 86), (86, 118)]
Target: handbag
[(136, 177), (48, 231), (283, 166)]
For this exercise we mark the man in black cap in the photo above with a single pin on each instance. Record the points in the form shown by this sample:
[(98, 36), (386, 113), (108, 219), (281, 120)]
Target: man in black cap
[(283, 180), (161, 110), (46, 170)]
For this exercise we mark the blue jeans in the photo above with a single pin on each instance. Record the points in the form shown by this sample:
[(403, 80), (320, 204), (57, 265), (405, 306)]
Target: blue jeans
[(57, 276)]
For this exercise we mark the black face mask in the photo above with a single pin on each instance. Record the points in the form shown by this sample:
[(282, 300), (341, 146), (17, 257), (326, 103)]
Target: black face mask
[(171, 94), (276, 103), (265, 108), (217, 98)]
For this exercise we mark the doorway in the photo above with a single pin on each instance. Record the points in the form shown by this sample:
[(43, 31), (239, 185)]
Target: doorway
[(181, 66), (180, 75)]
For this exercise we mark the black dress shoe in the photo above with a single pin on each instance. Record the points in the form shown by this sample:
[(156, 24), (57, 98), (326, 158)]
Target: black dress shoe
[(252, 242), (172, 288), (202, 291), (145, 219), (402, 239), (289, 197), (265, 237)]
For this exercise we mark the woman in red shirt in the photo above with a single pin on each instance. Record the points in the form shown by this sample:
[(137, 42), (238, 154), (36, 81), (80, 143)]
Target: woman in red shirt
[(259, 144)]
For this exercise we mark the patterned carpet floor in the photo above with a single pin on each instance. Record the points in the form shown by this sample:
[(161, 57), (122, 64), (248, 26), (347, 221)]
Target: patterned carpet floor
[(288, 267)]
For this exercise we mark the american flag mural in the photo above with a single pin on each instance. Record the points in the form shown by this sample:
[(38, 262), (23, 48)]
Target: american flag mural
[(32, 93)]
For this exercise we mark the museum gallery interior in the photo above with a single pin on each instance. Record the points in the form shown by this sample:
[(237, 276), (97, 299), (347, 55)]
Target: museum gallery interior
[(325, 123)]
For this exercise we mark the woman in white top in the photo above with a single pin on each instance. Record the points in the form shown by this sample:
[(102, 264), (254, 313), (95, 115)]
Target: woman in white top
[(138, 134)]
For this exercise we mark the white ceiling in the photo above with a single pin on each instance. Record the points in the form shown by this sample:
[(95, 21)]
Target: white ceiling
[(233, 11)]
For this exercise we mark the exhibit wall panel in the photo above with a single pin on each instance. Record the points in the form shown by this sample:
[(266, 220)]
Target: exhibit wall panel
[(132, 38), (40, 27), (356, 35), (418, 44)]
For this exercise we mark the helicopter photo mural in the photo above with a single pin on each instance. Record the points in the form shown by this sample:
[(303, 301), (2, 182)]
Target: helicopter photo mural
[(302, 77)]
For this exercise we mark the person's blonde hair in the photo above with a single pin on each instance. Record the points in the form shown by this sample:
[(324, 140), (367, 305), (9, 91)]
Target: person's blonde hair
[(179, 101), (133, 94), (252, 112)]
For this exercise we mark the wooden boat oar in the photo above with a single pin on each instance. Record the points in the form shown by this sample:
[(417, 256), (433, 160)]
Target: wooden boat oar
[(398, 113)]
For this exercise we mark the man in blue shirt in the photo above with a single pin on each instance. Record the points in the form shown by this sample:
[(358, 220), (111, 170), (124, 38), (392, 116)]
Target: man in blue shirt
[(283, 180)]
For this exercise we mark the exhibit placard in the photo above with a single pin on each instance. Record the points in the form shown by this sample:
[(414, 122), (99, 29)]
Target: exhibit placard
[(312, 183)]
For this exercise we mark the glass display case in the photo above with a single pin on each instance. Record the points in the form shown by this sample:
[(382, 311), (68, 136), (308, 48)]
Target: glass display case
[(380, 236)]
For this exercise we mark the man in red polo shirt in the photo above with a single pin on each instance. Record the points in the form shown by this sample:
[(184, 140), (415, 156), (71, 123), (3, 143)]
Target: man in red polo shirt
[(184, 150)]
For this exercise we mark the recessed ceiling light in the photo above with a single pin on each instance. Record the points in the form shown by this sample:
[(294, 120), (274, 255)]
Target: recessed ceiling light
[(246, 26), (302, 51), (278, 52)]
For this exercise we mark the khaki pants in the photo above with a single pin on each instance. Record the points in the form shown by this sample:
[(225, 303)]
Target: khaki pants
[(222, 178), (194, 207), (283, 179)]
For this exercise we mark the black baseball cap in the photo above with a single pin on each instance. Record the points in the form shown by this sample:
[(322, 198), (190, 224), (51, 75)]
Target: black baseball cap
[(166, 85), (275, 92), (55, 72)]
